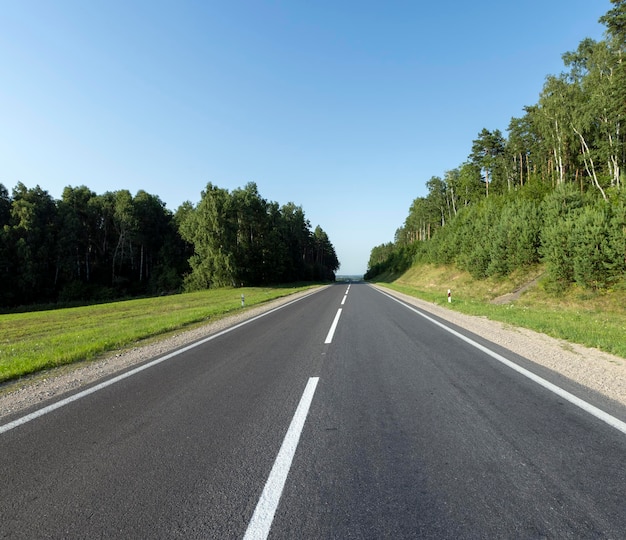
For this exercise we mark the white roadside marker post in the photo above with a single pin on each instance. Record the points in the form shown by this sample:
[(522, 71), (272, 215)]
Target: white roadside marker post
[(243, 300), (449, 296)]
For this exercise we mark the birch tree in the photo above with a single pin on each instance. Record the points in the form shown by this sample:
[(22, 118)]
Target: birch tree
[(553, 113)]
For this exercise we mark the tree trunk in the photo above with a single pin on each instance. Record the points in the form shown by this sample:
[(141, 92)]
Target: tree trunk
[(487, 182), (141, 265), (589, 166), (120, 242)]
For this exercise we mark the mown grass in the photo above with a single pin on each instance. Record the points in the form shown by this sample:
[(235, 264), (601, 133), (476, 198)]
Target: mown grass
[(34, 341), (578, 316)]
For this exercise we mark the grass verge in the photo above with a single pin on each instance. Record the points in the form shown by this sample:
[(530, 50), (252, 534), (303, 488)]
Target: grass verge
[(34, 341), (578, 316)]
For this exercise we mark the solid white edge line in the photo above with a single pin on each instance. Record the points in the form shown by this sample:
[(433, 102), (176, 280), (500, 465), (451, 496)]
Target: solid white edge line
[(261, 522), (45, 410), (574, 400), (333, 327)]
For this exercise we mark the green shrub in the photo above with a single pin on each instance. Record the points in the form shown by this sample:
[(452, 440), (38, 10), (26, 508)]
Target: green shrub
[(559, 211), (598, 260)]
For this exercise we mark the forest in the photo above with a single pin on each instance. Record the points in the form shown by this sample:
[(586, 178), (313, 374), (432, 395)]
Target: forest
[(87, 247), (550, 192)]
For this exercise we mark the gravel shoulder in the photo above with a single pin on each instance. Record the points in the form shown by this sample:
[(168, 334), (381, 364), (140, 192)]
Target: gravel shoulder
[(594, 369)]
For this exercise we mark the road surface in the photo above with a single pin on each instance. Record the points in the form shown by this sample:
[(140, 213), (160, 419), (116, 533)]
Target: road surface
[(345, 414)]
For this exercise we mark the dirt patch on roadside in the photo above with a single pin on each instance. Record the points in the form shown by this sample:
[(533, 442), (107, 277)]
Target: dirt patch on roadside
[(515, 295)]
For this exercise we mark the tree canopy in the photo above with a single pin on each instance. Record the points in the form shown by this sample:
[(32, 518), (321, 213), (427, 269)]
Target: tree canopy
[(504, 207), (239, 238), (89, 247)]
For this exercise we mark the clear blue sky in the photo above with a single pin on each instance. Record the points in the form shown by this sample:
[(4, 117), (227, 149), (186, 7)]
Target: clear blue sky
[(346, 108)]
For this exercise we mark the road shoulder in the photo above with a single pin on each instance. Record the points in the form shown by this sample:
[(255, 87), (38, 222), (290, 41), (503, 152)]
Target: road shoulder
[(594, 369)]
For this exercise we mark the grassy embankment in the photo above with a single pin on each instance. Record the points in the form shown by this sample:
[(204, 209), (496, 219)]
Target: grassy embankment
[(34, 341), (579, 316)]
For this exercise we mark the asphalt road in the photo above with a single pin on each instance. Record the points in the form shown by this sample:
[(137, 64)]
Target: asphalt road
[(371, 422)]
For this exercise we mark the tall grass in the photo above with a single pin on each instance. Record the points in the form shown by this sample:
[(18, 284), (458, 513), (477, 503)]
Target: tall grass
[(31, 342)]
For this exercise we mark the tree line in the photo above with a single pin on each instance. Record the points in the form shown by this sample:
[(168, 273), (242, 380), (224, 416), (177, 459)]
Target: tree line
[(551, 191), (89, 247), (242, 239)]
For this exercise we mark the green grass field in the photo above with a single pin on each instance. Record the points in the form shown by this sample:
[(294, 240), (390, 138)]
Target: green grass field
[(34, 341), (578, 316)]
